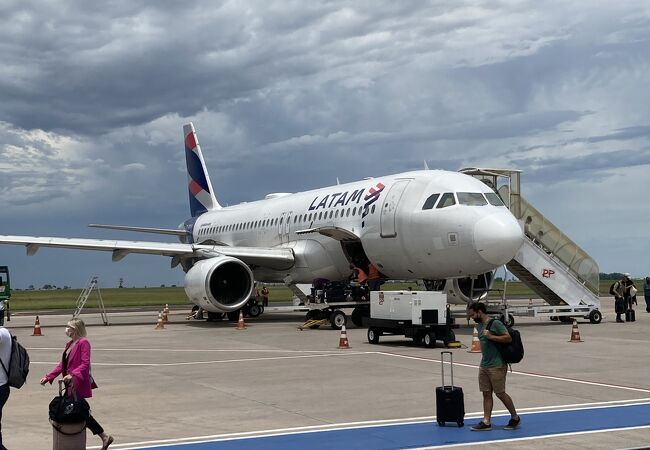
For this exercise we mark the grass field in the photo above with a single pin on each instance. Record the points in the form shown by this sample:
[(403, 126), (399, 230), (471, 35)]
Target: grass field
[(148, 297)]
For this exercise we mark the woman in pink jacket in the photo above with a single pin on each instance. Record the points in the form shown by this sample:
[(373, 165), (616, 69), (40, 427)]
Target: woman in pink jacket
[(75, 367)]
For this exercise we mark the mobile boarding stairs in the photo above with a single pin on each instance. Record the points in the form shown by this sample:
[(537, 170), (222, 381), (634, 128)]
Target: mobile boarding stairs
[(548, 262)]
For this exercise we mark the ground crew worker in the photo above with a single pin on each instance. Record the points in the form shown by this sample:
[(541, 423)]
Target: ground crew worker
[(265, 296), (374, 278)]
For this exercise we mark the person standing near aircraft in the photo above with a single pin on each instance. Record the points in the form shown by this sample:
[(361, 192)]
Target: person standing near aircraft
[(75, 367), (374, 278), (493, 370), (265, 295), (5, 356), (629, 290), (646, 293)]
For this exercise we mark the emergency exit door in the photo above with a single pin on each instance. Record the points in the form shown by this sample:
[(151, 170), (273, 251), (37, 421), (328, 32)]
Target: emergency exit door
[(388, 227)]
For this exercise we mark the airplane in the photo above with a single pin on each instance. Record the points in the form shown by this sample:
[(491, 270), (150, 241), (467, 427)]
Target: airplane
[(433, 225)]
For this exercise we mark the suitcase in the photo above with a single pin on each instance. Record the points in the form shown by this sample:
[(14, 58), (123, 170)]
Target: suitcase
[(630, 315), (450, 404), (68, 436)]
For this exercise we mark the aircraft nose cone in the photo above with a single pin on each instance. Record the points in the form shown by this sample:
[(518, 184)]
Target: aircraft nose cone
[(497, 238)]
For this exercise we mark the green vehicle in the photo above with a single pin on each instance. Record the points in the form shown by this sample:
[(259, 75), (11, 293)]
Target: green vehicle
[(5, 285)]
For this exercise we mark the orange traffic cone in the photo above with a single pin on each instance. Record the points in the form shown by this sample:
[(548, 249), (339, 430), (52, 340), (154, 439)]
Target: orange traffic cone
[(343, 341), (37, 328), (240, 323), (575, 334), (165, 318), (476, 344), (160, 325)]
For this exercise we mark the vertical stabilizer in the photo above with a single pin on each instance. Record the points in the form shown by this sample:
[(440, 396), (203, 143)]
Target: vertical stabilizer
[(202, 197)]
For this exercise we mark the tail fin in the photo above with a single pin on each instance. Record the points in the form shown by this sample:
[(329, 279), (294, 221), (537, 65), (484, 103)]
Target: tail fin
[(202, 197)]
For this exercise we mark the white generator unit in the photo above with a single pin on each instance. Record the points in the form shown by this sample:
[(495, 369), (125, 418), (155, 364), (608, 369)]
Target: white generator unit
[(418, 307)]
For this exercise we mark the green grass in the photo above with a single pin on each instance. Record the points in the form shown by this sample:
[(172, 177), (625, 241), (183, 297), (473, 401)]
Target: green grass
[(147, 297)]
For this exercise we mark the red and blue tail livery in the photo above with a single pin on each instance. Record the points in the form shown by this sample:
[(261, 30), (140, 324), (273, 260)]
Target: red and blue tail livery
[(202, 197)]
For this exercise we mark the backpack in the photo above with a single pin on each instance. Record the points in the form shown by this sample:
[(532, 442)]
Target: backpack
[(18, 365), (513, 351), (612, 288)]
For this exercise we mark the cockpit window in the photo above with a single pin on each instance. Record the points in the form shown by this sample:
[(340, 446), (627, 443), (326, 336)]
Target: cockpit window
[(471, 198), (447, 199), (431, 201), (494, 199)]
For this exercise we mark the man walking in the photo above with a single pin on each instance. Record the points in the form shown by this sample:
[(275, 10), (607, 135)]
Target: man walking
[(5, 355), (493, 370)]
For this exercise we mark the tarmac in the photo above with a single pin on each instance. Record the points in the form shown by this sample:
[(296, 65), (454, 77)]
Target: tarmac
[(206, 385)]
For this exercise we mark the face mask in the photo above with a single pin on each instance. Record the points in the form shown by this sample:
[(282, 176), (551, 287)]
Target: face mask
[(68, 332)]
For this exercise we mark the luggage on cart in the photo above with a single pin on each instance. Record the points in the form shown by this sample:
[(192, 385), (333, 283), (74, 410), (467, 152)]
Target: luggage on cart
[(450, 403), (630, 315), (68, 436)]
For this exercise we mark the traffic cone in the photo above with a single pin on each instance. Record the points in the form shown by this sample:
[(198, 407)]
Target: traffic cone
[(343, 341), (240, 323), (575, 334), (476, 344), (37, 328), (530, 302), (165, 317), (160, 325)]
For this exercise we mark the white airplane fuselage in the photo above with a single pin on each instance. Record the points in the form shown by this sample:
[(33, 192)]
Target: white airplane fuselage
[(401, 238)]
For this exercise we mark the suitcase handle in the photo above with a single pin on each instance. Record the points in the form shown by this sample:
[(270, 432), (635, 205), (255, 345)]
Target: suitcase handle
[(442, 367)]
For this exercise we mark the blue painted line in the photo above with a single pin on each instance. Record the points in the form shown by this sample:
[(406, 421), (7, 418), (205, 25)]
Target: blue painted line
[(402, 436)]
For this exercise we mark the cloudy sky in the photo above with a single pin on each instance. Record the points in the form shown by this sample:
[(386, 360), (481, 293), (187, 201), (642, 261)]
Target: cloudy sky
[(289, 95)]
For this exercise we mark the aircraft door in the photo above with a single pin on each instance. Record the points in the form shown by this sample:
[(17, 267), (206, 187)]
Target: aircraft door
[(281, 226), (389, 208), (287, 226)]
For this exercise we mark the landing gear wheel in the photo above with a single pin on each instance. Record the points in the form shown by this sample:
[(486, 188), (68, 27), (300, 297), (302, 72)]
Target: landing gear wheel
[(254, 310), (509, 321), (595, 316), (373, 335), (338, 319), (450, 337), (429, 340), (214, 317)]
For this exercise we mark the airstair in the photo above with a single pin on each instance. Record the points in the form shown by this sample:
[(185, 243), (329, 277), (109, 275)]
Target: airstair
[(91, 285), (549, 262)]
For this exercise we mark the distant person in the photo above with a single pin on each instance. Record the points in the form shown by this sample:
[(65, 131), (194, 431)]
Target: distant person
[(5, 355), (527, 225), (374, 278), (358, 274), (629, 290), (265, 295), (646, 293), (3, 305), (493, 370), (616, 289), (75, 368)]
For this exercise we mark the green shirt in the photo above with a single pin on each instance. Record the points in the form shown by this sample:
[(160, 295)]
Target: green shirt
[(490, 349)]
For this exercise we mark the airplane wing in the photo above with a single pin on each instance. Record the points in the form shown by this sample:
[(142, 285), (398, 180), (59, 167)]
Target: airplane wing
[(172, 231), (275, 258)]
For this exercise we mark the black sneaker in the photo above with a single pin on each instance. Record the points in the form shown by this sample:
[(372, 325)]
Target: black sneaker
[(481, 426), (512, 424)]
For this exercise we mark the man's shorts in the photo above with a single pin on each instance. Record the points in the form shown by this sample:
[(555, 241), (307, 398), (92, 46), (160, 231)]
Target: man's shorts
[(492, 379)]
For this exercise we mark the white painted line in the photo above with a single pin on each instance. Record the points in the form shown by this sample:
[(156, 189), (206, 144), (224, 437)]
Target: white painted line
[(528, 374), (218, 361), (388, 422), (190, 350)]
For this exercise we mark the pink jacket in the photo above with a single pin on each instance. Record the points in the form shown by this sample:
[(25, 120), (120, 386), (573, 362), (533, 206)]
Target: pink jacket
[(78, 367)]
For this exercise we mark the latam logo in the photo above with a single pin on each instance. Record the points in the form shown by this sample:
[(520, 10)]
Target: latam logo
[(548, 273), (370, 198)]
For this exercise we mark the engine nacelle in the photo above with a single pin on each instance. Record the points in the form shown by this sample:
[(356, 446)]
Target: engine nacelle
[(460, 290), (219, 284)]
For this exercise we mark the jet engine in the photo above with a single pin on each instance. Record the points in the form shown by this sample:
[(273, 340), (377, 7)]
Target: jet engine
[(219, 284), (460, 290)]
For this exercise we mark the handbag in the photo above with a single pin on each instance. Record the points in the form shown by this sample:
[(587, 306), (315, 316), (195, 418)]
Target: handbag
[(68, 408)]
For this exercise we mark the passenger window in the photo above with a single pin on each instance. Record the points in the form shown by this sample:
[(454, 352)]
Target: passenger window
[(430, 202), (373, 209), (447, 199), (494, 199)]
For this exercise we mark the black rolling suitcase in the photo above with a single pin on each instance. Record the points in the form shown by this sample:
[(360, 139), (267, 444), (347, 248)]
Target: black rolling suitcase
[(630, 315), (450, 404)]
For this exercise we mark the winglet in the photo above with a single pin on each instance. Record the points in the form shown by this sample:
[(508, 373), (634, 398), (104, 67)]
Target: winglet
[(202, 197)]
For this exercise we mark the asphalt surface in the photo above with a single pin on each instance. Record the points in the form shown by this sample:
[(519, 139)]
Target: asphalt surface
[(197, 381)]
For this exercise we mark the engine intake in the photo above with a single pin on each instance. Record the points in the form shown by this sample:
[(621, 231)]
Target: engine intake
[(219, 284)]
